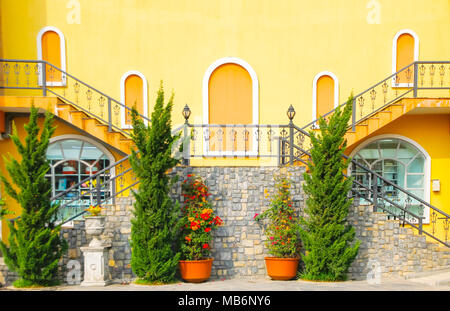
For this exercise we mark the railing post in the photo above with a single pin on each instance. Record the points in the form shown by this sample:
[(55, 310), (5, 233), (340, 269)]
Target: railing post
[(186, 140), (415, 83), (420, 225), (44, 79), (98, 190), (109, 115), (291, 143), (186, 145), (354, 114), (375, 192)]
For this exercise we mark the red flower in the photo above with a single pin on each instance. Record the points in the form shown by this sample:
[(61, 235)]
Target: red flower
[(206, 245), (255, 215), (189, 175), (194, 225), (205, 216), (207, 229)]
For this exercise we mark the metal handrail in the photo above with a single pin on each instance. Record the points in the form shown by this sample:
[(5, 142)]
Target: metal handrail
[(371, 173), (100, 172), (43, 86)]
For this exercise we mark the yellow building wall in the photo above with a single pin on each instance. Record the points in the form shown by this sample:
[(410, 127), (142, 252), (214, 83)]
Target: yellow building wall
[(432, 132), (286, 42), (8, 148)]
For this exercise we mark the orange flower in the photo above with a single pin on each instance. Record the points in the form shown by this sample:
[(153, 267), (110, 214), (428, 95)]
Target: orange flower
[(187, 238), (194, 225)]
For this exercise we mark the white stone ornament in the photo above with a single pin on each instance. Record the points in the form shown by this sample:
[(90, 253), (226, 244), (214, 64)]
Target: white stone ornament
[(96, 254)]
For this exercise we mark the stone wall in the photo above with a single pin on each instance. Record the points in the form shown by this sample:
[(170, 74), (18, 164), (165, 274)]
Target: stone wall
[(238, 249), (237, 194), (391, 250)]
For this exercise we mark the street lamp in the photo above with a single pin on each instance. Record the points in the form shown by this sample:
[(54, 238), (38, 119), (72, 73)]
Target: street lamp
[(186, 113), (291, 113)]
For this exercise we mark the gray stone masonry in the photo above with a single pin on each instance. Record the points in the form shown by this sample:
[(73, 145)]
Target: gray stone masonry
[(238, 193)]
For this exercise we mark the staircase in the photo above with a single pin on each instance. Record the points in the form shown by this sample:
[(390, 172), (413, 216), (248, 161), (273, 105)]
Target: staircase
[(98, 115), (393, 249), (70, 114), (389, 114), (373, 109)]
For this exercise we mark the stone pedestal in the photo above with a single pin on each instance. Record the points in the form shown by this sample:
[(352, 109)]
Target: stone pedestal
[(95, 265), (96, 254)]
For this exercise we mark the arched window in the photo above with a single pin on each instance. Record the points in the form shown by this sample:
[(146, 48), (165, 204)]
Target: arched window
[(230, 97), (51, 47), (405, 50), (402, 162), (325, 93), (133, 91), (72, 159)]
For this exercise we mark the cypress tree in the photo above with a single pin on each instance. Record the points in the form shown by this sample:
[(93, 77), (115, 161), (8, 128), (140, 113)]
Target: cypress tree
[(155, 225), (35, 246), (327, 237)]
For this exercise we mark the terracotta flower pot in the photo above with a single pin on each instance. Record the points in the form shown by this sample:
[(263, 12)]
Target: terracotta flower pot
[(281, 268), (196, 271)]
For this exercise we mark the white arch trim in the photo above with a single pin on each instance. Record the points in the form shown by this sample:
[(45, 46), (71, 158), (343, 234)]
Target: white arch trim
[(122, 97), (255, 101), (394, 54), (86, 139), (314, 91), (62, 47), (110, 156), (427, 168)]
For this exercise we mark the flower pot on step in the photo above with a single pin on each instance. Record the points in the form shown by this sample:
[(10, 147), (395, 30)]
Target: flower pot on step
[(281, 268), (196, 271)]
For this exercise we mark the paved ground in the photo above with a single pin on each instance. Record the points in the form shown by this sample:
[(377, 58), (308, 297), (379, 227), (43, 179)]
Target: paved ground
[(423, 284)]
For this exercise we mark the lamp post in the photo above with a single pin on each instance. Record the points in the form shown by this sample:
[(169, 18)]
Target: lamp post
[(291, 114), (186, 147)]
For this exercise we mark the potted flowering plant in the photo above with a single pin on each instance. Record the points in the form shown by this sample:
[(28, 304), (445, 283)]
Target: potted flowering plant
[(282, 234), (199, 221), (94, 223)]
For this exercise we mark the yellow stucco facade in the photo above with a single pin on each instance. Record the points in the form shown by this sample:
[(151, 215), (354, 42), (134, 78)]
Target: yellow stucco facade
[(285, 46)]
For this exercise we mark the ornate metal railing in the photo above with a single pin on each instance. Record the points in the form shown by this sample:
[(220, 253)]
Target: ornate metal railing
[(30, 74), (419, 76), (288, 143), (383, 194), (235, 141)]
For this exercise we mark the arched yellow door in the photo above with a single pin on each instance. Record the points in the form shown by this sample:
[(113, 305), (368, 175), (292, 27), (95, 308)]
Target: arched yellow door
[(51, 52), (324, 95), (230, 102), (134, 90), (405, 56)]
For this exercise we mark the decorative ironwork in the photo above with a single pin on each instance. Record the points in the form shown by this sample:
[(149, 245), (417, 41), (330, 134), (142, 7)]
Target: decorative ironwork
[(385, 89), (89, 98), (373, 96), (17, 72), (442, 74), (432, 71), (361, 105), (408, 75), (101, 104), (422, 73)]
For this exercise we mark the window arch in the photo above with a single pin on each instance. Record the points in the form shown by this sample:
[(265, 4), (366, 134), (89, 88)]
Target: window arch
[(51, 47), (399, 160), (230, 96), (405, 50), (72, 159), (325, 93), (133, 90)]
